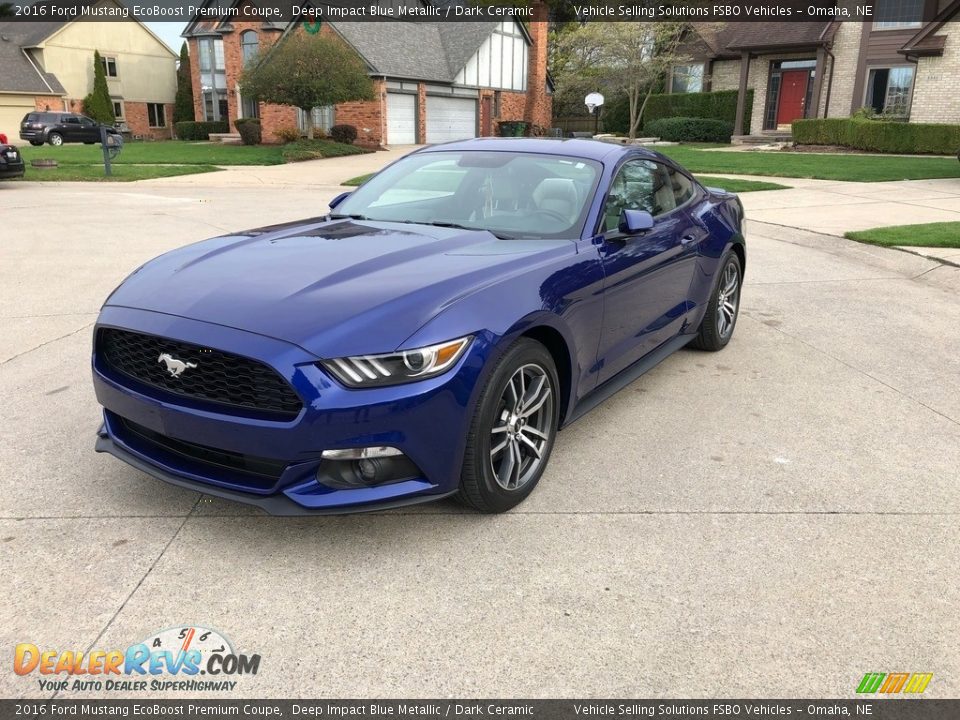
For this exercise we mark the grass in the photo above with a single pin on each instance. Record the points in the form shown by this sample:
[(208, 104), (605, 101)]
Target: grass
[(943, 234), (728, 184), (168, 152), (120, 173), (862, 168), (358, 180), (739, 186), (315, 149)]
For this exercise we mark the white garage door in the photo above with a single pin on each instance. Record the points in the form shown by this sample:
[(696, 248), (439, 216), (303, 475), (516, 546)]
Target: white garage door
[(401, 119), (450, 118), (12, 110)]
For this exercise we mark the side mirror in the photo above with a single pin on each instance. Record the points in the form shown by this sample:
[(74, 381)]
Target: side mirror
[(338, 199), (634, 222)]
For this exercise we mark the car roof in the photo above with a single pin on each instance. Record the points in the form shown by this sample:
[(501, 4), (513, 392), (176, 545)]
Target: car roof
[(570, 147)]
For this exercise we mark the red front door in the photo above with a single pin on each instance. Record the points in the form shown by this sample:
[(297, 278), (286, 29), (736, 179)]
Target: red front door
[(793, 94)]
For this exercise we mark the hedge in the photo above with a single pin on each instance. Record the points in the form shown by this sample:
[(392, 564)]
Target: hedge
[(189, 130), (688, 129), (878, 135), (249, 129), (720, 105)]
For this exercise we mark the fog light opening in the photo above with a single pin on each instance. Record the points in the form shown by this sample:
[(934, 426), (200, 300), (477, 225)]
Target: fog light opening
[(365, 467)]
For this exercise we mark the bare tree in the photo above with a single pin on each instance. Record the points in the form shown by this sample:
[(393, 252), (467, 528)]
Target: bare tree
[(627, 57)]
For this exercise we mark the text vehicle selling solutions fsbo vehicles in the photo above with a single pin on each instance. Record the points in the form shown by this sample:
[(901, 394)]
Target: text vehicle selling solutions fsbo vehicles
[(426, 338)]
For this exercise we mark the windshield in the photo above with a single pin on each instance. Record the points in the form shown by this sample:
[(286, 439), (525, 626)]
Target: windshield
[(512, 195)]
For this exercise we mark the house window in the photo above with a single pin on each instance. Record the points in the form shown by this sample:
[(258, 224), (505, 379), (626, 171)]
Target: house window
[(157, 115), (109, 66), (897, 14), (686, 78), (249, 45), (889, 90), (249, 107), (118, 109), (213, 82)]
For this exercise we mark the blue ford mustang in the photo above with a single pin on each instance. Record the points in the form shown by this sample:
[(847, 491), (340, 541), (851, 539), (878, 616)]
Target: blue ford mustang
[(427, 338)]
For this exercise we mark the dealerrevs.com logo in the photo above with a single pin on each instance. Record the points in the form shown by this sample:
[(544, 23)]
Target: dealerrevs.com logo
[(187, 658)]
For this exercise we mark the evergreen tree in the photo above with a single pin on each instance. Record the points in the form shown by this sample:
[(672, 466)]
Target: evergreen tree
[(183, 109), (98, 104)]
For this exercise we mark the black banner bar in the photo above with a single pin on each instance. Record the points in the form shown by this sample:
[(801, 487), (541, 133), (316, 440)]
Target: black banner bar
[(283, 11), (873, 709)]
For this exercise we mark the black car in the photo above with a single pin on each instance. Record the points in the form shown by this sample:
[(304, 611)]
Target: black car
[(11, 162), (58, 128)]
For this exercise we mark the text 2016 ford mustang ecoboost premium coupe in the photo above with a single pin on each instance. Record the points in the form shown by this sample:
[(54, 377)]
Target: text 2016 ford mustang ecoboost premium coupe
[(427, 338)]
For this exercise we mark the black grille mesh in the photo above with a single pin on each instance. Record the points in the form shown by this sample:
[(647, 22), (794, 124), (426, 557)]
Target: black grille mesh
[(218, 377)]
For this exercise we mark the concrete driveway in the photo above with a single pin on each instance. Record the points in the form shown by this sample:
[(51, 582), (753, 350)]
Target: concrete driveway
[(773, 520)]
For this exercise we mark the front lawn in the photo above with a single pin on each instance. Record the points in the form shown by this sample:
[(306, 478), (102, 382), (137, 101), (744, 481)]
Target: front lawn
[(315, 149), (120, 173), (943, 234), (358, 180), (862, 168), (736, 185), (166, 152)]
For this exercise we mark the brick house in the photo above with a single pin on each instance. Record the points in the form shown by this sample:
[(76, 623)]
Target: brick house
[(49, 66), (433, 81), (904, 64)]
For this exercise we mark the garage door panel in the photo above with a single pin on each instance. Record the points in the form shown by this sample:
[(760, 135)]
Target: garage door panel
[(401, 119), (12, 110), (451, 118)]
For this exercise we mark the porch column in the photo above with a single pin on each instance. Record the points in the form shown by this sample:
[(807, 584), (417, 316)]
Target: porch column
[(819, 73), (742, 94)]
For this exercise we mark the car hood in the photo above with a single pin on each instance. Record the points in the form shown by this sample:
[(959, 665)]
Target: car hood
[(332, 287)]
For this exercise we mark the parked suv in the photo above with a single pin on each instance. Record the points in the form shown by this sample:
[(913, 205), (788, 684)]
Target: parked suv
[(58, 128)]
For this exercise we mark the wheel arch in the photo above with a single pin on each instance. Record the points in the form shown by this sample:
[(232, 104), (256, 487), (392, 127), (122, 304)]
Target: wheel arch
[(559, 350)]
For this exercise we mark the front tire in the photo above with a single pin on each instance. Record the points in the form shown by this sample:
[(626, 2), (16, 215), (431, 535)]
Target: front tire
[(55, 139), (723, 308), (513, 430)]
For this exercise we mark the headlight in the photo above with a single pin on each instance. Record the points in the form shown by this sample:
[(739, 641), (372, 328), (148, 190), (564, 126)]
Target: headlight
[(400, 367)]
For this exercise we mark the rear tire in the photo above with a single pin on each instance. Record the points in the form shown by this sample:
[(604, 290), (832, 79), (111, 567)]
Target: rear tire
[(55, 139), (723, 307), (513, 430)]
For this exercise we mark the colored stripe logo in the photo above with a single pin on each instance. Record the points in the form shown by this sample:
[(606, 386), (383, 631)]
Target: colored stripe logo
[(892, 683)]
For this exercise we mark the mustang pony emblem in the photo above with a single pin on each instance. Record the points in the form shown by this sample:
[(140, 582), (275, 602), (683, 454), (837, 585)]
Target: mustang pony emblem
[(174, 366)]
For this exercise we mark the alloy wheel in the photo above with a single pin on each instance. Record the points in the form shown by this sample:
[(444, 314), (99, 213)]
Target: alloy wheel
[(728, 300), (522, 427)]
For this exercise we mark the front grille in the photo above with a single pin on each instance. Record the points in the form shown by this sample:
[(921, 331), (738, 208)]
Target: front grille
[(249, 470), (211, 375)]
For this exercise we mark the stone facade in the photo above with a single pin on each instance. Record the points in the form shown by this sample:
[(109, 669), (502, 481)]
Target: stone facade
[(936, 94), (725, 75), (846, 52)]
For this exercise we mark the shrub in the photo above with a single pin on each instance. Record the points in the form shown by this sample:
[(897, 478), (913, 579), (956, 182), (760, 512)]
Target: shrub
[(191, 130), (720, 105), (343, 134), (878, 135), (689, 129), (312, 149), (512, 128), (287, 134), (249, 129)]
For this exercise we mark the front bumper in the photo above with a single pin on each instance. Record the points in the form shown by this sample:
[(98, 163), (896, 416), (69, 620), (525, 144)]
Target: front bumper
[(427, 421)]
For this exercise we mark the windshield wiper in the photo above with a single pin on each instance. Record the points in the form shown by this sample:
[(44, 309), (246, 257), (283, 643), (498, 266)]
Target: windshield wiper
[(343, 216), (457, 226)]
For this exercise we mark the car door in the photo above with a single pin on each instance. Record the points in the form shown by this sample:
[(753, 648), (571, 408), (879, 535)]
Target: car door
[(647, 276), (89, 130), (70, 129)]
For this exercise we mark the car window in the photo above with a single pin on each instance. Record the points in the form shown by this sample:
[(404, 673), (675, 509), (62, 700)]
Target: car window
[(72, 120), (86, 121), (511, 194), (639, 185), (683, 187)]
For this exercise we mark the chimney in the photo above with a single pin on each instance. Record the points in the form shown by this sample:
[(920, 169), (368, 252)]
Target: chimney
[(538, 109)]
